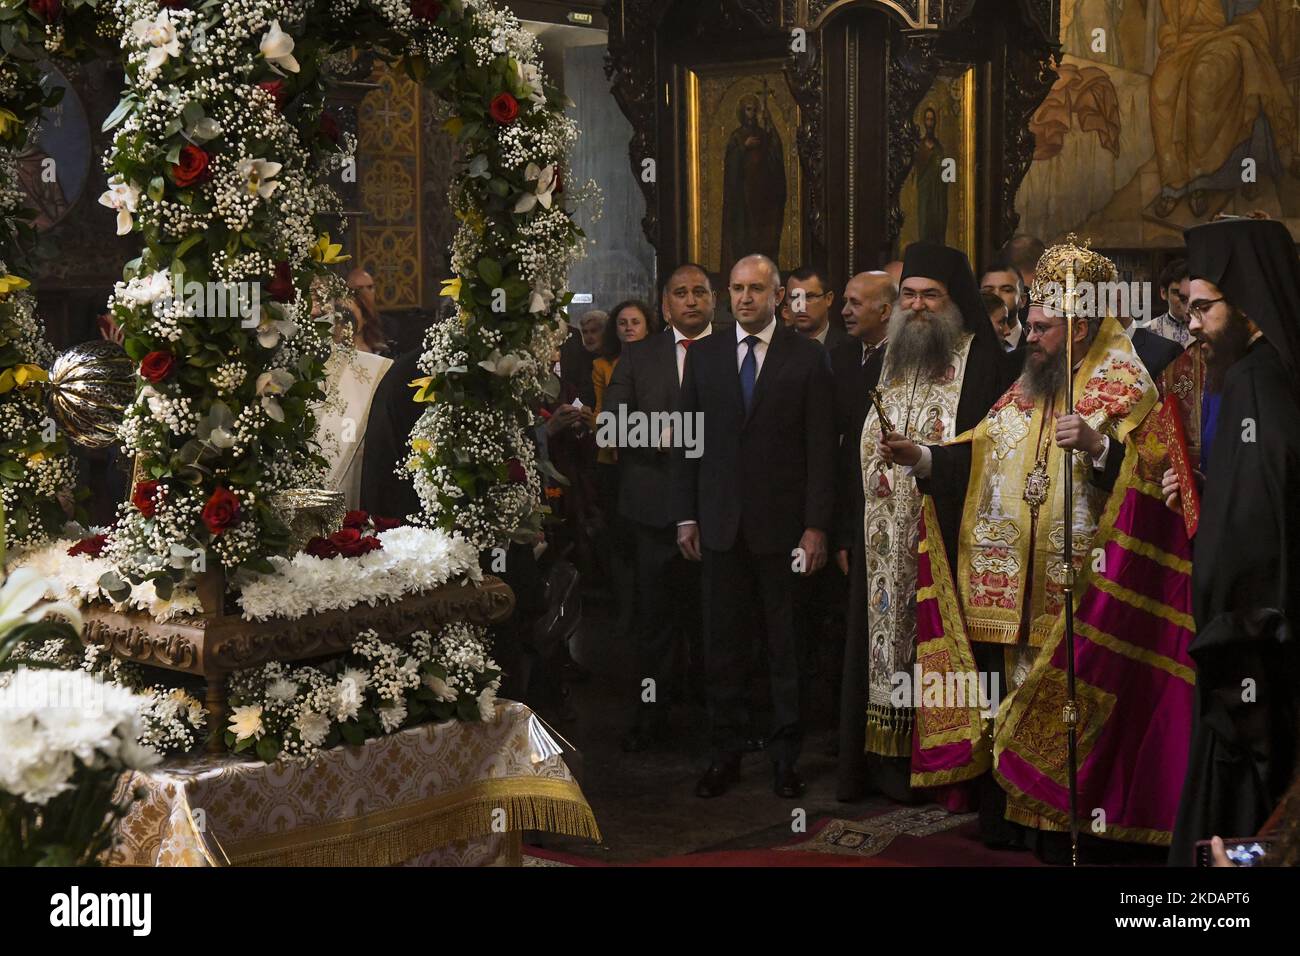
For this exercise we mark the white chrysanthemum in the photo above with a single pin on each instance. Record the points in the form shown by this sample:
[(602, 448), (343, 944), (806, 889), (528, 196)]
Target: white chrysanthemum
[(313, 727)]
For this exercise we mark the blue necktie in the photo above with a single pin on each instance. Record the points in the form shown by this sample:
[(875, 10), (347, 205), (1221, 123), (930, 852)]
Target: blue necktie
[(748, 371)]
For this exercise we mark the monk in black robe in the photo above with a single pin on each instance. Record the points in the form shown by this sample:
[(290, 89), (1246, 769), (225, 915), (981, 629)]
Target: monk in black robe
[(943, 277), (1245, 312)]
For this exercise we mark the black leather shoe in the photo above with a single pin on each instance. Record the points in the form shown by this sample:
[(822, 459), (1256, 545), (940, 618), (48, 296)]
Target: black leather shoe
[(717, 779), (786, 782)]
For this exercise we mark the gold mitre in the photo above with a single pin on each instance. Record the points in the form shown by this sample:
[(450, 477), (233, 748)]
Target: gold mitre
[(1090, 268)]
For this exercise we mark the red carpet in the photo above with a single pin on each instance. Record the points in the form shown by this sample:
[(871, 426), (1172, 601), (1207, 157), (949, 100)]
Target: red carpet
[(909, 836)]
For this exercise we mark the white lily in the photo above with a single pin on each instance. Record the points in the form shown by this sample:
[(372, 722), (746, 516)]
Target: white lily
[(277, 47), (441, 689), (541, 299), (531, 75), (160, 36), (545, 177), (270, 385), (478, 167), (257, 173), (22, 601), (270, 331), (123, 197), (503, 365)]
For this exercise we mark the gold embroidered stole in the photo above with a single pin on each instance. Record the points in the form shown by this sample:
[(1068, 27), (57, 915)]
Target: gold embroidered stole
[(925, 411), (1004, 550), (1184, 383)]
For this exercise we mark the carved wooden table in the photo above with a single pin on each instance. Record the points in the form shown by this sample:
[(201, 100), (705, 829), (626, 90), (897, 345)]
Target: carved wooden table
[(213, 644)]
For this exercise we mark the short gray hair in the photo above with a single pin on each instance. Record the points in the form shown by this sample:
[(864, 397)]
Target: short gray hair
[(776, 273)]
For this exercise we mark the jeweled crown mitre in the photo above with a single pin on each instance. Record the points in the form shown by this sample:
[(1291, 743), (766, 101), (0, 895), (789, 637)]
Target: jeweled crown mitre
[(1089, 268)]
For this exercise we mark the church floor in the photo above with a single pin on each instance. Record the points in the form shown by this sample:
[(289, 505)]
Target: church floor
[(647, 810), (645, 803)]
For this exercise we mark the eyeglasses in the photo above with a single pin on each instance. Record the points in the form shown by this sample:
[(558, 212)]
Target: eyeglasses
[(1197, 309), (1039, 329), (931, 296)]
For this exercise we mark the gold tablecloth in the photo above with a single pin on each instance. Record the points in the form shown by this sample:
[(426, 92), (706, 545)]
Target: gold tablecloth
[(451, 794)]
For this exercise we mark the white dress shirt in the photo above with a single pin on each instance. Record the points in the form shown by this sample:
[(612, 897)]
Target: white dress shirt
[(760, 347), (1013, 337), (821, 336), (678, 338)]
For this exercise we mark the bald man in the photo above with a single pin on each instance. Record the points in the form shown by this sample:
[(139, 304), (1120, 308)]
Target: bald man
[(855, 369), (895, 271), (756, 507)]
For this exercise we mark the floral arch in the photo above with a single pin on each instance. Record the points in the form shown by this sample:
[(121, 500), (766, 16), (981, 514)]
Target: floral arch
[(222, 162)]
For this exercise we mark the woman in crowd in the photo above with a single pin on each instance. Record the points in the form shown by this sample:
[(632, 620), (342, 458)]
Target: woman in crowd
[(629, 321)]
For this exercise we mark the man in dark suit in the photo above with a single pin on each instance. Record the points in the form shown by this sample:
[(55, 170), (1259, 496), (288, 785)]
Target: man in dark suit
[(646, 382), (1003, 280), (855, 370), (755, 507), (809, 297), (579, 352)]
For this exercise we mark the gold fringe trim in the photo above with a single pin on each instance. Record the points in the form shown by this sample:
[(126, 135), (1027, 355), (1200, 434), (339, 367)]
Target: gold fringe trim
[(992, 632), (402, 833), (889, 731)]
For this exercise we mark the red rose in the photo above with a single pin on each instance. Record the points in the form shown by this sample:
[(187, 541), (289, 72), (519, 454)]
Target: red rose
[(93, 546), (156, 366), (559, 181), (385, 524), (426, 9), (329, 128), (145, 497), (193, 167), (357, 548), (280, 288), (516, 472), (47, 10), (356, 519), (321, 548), (504, 108), (345, 537), (277, 90), (221, 511)]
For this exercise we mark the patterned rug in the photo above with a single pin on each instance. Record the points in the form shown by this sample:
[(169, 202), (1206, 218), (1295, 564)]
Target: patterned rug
[(867, 838), (906, 836)]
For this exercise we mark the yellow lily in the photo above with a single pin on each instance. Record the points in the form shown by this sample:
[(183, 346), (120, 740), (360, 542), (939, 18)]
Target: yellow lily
[(8, 123), (326, 251), (453, 125), (20, 376), (425, 393), (36, 457), (420, 445), (451, 288), (11, 283)]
